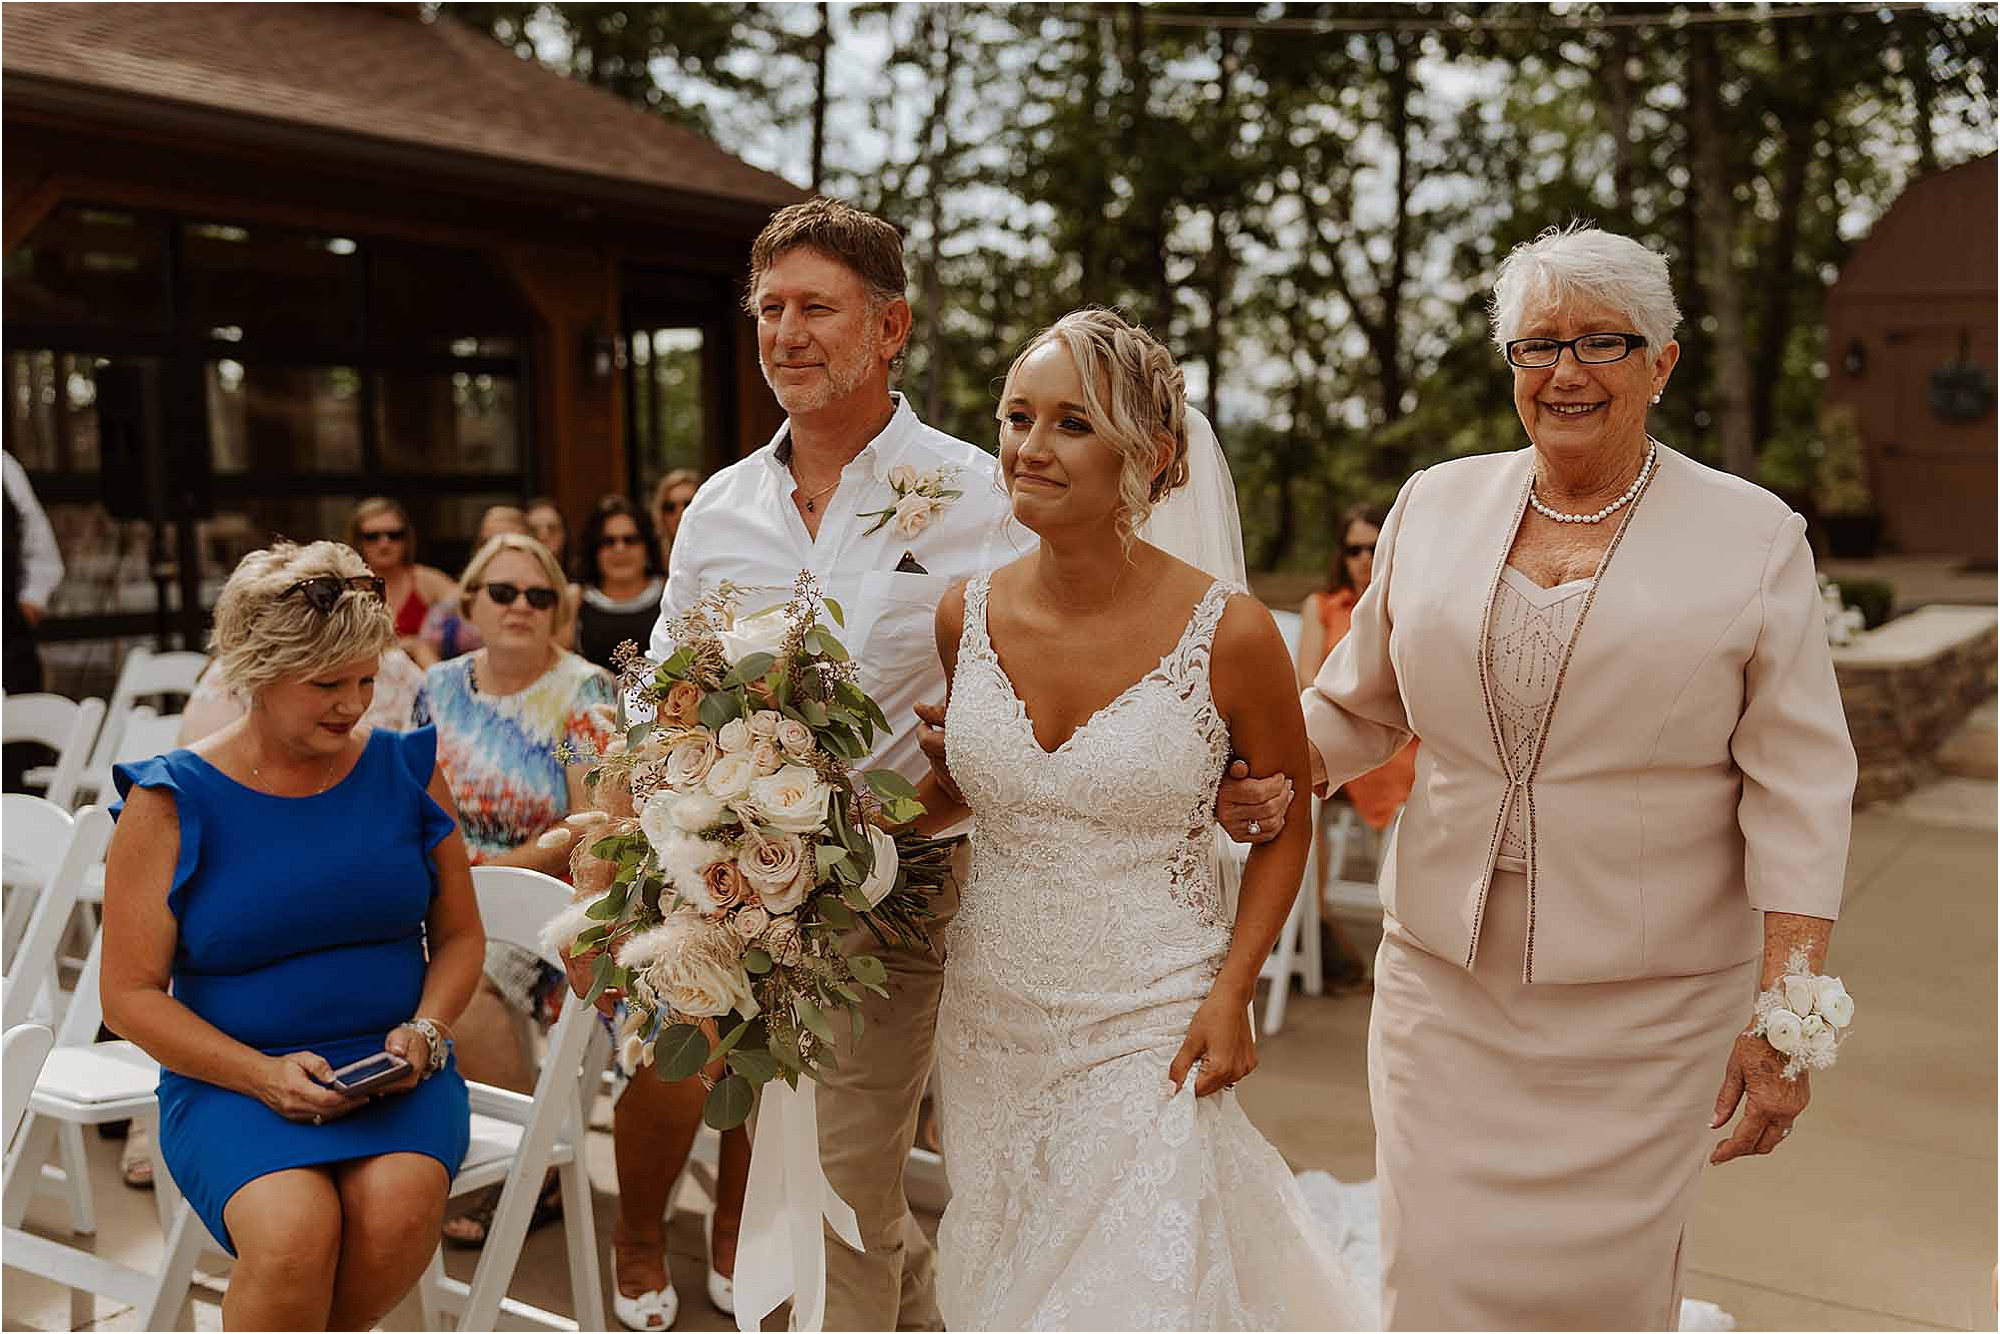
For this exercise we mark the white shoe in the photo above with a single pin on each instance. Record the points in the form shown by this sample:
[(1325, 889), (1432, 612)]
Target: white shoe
[(721, 1289), (654, 1311)]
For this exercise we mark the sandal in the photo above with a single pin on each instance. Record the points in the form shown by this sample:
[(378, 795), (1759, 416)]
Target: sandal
[(548, 1208), (653, 1310), (135, 1160)]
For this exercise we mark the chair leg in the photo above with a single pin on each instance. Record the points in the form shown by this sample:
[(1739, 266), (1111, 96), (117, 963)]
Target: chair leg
[(586, 1283), (1281, 981), (76, 1183), (429, 1295), (185, 1239), (1312, 966), (32, 1145)]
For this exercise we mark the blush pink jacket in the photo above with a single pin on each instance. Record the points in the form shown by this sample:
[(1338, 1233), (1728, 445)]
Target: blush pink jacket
[(1695, 770)]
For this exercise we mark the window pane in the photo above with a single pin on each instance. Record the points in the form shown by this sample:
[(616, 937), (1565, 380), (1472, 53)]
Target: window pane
[(52, 407), (437, 300), (279, 419), (90, 266), (667, 402), (269, 285), (107, 562), (457, 423)]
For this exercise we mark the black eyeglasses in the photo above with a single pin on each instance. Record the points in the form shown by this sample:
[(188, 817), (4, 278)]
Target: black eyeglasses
[(324, 590), (1354, 549), (1598, 349), (384, 534), (621, 540), (503, 595)]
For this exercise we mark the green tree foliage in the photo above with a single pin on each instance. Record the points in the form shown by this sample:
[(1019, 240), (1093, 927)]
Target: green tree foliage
[(1308, 201)]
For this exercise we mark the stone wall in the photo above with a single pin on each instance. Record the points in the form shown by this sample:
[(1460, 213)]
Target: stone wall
[(1907, 686)]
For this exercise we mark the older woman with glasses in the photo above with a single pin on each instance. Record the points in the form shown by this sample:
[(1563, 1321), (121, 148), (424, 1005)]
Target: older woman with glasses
[(285, 898), (1630, 816), (380, 529)]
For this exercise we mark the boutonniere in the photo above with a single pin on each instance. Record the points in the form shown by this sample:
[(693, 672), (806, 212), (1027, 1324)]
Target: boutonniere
[(920, 498)]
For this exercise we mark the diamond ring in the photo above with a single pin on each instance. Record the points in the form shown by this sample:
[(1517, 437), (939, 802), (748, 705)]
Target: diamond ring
[(1256, 827)]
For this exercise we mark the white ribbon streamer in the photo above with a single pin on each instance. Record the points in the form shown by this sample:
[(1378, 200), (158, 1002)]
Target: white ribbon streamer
[(781, 1248)]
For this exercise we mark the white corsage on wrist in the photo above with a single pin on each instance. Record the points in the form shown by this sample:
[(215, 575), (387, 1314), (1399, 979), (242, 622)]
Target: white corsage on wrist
[(920, 498), (1805, 1016)]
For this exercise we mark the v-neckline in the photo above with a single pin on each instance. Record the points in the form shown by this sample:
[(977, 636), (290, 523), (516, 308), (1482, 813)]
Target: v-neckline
[(1021, 705)]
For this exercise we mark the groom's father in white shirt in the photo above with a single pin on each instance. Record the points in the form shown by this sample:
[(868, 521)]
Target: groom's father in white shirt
[(827, 293)]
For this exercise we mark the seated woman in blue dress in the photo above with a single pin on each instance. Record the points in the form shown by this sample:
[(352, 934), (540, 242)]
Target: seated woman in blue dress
[(286, 897)]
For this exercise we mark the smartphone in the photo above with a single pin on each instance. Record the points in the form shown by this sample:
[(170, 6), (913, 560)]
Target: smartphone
[(370, 1072)]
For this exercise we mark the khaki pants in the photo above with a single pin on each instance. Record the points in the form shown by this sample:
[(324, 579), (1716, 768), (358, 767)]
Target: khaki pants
[(867, 1123)]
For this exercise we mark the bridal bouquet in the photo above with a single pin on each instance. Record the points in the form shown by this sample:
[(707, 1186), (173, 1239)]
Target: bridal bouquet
[(737, 845)]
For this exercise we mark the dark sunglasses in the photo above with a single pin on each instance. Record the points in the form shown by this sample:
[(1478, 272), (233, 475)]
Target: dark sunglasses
[(324, 590), (503, 595), (384, 534), (1354, 549), (621, 540)]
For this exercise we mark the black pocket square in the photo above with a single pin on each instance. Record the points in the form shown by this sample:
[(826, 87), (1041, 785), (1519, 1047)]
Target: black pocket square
[(908, 565)]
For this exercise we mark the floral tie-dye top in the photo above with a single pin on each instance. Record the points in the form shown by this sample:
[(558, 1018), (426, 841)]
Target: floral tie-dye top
[(499, 751)]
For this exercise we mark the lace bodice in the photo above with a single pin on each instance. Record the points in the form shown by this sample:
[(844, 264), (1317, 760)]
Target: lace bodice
[(1532, 626)]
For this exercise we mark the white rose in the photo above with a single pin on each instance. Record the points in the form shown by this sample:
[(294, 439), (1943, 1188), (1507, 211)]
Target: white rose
[(764, 724), (1830, 998), (785, 898), (782, 941), (1811, 1027), (795, 738), (761, 633), (1782, 1029), (792, 799), (692, 964), (772, 864), (882, 878), (749, 923), (903, 477), (913, 514), (690, 758), (1819, 1049), (766, 758), (1797, 993), (694, 811), (734, 736), (731, 778)]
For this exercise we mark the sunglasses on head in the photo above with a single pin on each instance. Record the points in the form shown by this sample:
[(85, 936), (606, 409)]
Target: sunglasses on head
[(1360, 549), (503, 595), (384, 534), (324, 591)]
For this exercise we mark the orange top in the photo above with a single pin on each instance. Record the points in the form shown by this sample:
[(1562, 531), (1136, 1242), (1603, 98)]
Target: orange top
[(1378, 794)]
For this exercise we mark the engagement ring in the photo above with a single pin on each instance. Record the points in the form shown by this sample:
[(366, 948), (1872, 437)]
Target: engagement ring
[(318, 1120), (1256, 827)]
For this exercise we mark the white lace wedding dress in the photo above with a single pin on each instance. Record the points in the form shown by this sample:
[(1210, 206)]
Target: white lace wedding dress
[(1086, 1194)]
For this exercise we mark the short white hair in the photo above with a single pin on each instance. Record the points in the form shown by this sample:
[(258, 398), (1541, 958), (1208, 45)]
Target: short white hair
[(1584, 263)]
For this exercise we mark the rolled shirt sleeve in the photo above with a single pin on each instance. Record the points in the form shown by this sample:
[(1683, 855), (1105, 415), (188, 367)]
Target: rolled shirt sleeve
[(1354, 709), (1792, 745), (41, 559)]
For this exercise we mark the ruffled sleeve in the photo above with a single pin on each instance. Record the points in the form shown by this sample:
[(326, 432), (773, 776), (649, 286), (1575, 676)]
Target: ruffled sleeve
[(160, 773), (419, 756)]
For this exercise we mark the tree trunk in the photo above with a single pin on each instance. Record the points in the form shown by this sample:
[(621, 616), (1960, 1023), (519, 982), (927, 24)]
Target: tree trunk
[(1797, 121), (1715, 215), (822, 46), (1389, 344), (941, 55), (1618, 103)]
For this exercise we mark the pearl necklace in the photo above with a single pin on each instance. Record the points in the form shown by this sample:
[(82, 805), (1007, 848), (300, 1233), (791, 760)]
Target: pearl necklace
[(1651, 453)]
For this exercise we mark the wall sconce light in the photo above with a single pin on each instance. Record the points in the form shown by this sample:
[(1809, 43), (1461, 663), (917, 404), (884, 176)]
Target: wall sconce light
[(1855, 360), (603, 353)]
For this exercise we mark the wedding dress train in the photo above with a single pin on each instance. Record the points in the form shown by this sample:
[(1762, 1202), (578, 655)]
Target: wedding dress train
[(1086, 1193)]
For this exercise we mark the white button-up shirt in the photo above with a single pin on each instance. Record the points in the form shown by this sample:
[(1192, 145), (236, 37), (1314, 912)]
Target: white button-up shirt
[(743, 527)]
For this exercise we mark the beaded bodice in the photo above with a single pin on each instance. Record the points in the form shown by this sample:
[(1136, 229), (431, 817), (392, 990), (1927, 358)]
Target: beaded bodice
[(1531, 628)]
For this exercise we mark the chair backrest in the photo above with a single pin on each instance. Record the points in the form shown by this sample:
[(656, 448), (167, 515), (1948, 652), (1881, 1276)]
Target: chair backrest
[(144, 673), (515, 903), (34, 962), (1291, 625), (22, 1052), (66, 726), (36, 831), (148, 732)]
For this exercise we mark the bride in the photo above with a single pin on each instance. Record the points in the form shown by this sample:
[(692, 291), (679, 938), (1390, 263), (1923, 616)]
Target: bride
[(1095, 1011)]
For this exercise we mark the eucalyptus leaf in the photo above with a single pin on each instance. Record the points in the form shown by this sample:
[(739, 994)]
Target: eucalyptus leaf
[(889, 783), (719, 707), (835, 912), (600, 976), (830, 856), (784, 1049), (859, 1025), (729, 1103), (833, 610), (730, 1039), (680, 1051), (809, 1014), (813, 712), (868, 970), (829, 645), (759, 1067), (607, 908), (637, 734), (756, 962), (752, 667)]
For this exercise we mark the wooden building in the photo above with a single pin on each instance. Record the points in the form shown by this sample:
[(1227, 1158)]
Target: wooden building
[(265, 259), (1911, 349)]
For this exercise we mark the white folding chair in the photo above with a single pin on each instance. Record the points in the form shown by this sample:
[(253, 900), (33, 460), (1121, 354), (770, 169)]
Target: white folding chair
[(63, 850), (66, 726), (36, 833), (1358, 900), (22, 1052), (517, 1138), (145, 673)]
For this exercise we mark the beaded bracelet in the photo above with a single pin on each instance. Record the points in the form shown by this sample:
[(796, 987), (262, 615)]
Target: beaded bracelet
[(1805, 1016)]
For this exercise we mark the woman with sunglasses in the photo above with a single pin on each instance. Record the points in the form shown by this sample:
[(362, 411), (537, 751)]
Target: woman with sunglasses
[(671, 498), (379, 528), (286, 897), (622, 576), (518, 723)]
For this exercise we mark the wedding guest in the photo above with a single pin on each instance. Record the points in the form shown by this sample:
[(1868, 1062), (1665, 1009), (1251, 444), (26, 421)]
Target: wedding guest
[(447, 632), (504, 715), (547, 525), (285, 897), (381, 531), (621, 574), (1631, 809), (671, 497)]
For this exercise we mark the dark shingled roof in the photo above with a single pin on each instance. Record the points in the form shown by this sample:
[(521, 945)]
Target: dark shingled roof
[(372, 72)]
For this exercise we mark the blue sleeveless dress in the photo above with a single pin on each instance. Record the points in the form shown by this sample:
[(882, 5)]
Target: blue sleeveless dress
[(301, 928)]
